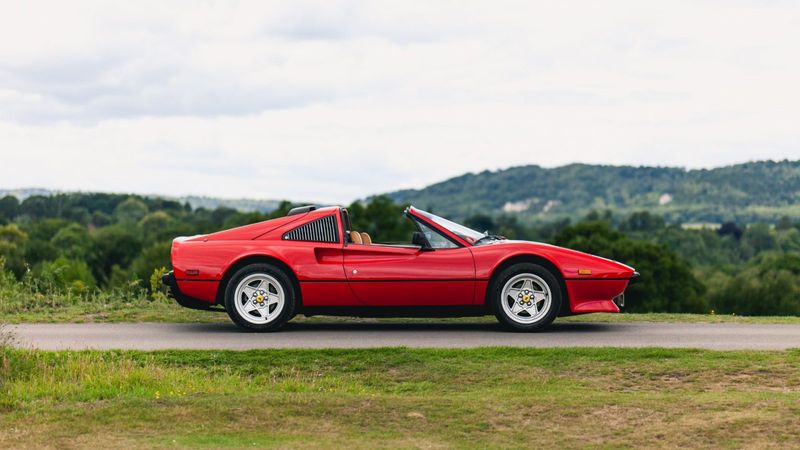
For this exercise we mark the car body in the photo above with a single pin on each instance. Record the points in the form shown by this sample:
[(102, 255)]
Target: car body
[(315, 257)]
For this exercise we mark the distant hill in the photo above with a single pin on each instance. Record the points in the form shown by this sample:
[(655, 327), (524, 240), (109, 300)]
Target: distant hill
[(750, 192), (240, 204)]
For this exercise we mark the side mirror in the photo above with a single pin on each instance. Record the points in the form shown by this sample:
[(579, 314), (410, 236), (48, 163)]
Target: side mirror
[(418, 238)]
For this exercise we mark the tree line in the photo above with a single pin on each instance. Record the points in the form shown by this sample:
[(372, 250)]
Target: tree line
[(82, 243)]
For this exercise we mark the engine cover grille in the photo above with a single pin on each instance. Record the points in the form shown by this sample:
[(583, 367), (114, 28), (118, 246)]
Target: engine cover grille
[(321, 230)]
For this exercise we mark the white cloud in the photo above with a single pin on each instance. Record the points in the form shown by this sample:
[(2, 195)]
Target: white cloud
[(332, 101)]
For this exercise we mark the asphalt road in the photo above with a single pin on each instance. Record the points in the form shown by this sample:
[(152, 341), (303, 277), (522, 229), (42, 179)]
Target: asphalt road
[(152, 336)]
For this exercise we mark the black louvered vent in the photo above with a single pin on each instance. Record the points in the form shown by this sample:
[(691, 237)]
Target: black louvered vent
[(320, 230)]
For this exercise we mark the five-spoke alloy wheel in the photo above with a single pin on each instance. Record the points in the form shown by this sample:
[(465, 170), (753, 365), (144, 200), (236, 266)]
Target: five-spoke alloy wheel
[(260, 297), (526, 297)]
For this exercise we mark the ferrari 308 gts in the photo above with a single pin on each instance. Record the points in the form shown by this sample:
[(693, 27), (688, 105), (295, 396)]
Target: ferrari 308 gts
[(313, 262)]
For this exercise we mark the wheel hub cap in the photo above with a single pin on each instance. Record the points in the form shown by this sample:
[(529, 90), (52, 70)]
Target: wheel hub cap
[(526, 298), (259, 297)]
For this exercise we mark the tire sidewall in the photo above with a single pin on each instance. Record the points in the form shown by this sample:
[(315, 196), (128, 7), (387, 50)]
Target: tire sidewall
[(545, 274), (289, 293)]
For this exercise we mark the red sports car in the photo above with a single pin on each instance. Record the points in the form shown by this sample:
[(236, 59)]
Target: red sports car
[(313, 262)]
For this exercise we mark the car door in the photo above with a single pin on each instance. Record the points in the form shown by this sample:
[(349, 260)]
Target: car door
[(398, 275)]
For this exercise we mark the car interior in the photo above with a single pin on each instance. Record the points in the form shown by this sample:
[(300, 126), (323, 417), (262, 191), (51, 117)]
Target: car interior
[(360, 237), (353, 236)]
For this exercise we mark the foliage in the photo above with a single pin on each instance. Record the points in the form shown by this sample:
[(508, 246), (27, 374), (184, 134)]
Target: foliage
[(157, 290), (74, 247), (382, 219), (12, 242), (63, 274), (751, 192), (769, 285)]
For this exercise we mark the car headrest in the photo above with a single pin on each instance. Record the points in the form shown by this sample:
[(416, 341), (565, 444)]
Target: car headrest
[(355, 237), (366, 239)]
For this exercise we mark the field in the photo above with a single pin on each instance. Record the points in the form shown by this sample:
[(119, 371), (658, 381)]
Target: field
[(390, 397), (495, 397)]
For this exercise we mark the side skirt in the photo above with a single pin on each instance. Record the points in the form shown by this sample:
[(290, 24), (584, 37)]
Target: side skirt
[(396, 311)]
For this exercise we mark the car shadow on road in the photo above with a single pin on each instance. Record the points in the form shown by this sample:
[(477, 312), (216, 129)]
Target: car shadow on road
[(399, 326)]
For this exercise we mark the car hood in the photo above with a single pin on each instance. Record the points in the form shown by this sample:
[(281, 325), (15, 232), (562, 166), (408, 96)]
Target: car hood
[(573, 263)]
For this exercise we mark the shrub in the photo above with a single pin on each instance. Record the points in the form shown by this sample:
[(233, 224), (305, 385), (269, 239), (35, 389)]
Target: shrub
[(769, 285), (63, 274)]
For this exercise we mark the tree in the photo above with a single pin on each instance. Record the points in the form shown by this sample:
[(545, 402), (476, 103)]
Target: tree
[(151, 258), (642, 221), (72, 241), (12, 242), (37, 207), (730, 229), (154, 225), (481, 222), (39, 247), (131, 210), (9, 207), (382, 219), (760, 237), (110, 246), (784, 223), (769, 285)]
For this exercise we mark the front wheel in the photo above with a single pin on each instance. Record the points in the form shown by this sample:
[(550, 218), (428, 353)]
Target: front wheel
[(260, 297), (526, 297)]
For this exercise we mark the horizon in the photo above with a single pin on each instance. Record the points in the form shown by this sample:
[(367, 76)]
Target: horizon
[(297, 200)]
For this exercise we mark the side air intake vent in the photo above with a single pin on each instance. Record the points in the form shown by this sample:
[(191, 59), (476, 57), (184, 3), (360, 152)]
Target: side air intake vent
[(320, 230)]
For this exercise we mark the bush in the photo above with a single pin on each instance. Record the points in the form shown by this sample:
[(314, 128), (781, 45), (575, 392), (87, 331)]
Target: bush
[(150, 259), (769, 285), (63, 275)]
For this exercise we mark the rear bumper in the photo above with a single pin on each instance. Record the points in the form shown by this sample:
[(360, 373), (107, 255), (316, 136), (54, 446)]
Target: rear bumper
[(168, 279)]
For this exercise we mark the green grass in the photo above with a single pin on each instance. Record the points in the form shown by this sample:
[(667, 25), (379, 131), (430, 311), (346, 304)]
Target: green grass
[(398, 397), (129, 311), (143, 310), (674, 317)]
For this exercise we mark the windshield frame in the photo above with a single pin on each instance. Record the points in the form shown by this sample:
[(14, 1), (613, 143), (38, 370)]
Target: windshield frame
[(455, 230)]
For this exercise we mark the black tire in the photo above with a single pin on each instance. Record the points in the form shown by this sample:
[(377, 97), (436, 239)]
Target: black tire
[(499, 282), (290, 300)]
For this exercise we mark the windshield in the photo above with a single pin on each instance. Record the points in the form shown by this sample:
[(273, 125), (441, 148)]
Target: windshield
[(461, 231)]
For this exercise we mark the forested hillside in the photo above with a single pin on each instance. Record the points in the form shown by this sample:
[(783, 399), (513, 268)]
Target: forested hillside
[(195, 201), (751, 192), (108, 248)]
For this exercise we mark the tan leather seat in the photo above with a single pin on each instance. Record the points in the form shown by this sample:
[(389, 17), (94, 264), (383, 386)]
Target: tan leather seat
[(366, 239), (355, 237)]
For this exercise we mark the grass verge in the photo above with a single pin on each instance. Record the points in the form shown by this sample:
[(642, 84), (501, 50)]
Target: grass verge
[(398, 397), (165, 310)]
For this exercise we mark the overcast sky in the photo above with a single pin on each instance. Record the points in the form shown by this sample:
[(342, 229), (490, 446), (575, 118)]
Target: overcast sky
[(332, 101)]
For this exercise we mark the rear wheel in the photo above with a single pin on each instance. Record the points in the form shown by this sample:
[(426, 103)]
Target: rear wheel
[(260, 297), (526, 297)]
